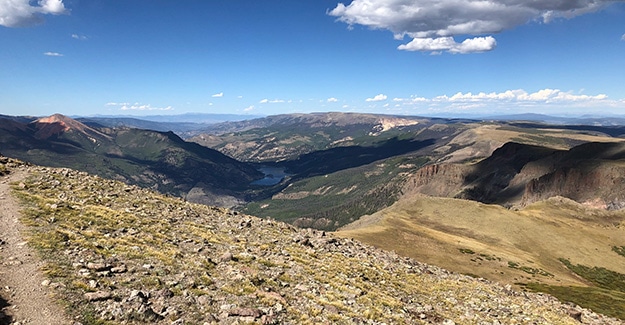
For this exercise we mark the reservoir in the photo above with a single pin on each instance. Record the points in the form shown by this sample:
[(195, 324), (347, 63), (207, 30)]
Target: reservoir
[(273, 176)]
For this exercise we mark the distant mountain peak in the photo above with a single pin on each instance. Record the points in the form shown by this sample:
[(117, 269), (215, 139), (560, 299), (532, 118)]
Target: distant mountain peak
[(58, 124)]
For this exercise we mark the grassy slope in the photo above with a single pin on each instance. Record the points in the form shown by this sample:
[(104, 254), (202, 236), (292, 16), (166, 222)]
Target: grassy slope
[(480, 139), (273, 268), (502, 245)]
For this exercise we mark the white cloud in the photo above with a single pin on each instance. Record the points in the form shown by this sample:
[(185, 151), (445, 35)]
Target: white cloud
[(80, 37), (623, 37), (377, 98), (138, 107), (20, 13), (541, 101), (432, 24), (470, 45), (115, 104), (332, 100), (273, 101), (412, 99), (52, 54), (541, 96), (249, 108), (219, 95)]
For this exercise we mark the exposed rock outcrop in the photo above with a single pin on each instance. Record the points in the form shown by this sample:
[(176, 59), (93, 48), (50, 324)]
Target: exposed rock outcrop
[(518, 174)]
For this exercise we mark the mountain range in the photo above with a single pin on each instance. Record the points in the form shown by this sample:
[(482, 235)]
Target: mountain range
[(152, 159), (534, 205), (119, 254)]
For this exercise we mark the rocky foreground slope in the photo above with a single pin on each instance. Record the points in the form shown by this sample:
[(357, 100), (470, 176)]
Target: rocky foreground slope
[(120, 254)]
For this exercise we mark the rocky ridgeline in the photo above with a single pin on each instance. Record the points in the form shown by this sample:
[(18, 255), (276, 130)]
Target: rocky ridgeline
[(121, 254)]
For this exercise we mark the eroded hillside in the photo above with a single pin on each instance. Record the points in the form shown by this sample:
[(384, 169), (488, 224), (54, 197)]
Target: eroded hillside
[(116, 253), (520, 174)]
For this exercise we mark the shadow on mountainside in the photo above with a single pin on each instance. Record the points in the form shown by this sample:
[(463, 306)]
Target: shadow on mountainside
[(570, 173), (339, 158), (613, 131), (490, 181), (4, 318)]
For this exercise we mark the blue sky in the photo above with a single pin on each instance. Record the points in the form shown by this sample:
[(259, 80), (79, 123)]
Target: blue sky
[(264, 57)]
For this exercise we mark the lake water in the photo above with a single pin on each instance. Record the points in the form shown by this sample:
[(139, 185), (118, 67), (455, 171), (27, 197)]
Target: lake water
[(273, 176)]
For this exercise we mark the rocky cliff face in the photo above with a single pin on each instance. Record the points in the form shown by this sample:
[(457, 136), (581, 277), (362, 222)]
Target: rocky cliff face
[(123, 254), (517, 174), (444, 180), (602, 186)]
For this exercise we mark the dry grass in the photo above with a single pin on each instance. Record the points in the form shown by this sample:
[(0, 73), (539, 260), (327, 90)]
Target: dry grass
[(160, 239), (483, 139), (437, 230)]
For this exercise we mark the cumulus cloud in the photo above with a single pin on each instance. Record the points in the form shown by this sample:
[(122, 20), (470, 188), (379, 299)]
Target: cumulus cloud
[(20, 13), (219, 95), (471, 45), (52, 54), (138, 107), (249, 108), (377, 98), (544, 95), (432, 24), (511, 100), (332, 100)]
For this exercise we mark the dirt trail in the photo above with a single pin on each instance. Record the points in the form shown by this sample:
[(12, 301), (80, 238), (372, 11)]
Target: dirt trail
[(23, 298)]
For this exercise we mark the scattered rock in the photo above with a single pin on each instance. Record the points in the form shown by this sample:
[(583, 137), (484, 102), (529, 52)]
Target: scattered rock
[(119, 269), (576, 314), (226, 257), (98, 267), (98, 296), (282, 274), (245, 312), (139, 295)]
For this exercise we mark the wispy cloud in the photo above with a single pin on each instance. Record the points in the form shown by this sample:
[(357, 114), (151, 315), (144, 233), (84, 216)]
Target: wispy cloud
[(219, 95), (623, 37), (377, 98), (138, 107), (80, 37), (20, 13), (52, 54), (432, 25), (272, 101), (332, 100)]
